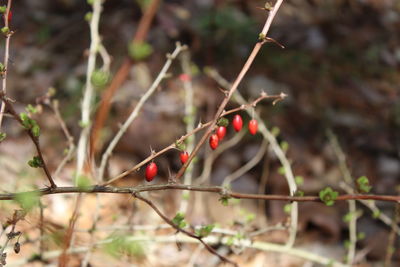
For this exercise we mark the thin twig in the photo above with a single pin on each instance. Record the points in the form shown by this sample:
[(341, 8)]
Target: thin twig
[(348, 179), (192, 235), (209, 159), (183, 138), (6, 59), (190, 116), (70, 140), (88, 93), (34, 139), (248, 166), (135, 112), (390, 249), (212, 189)]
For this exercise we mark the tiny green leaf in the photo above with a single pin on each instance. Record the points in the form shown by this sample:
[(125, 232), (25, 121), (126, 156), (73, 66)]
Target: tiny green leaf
[(363, 184), (82, 181), (36, 130), (360, 236), (88, 16), (204, 230), (31, 109), (180, 145), (299, 180), (3, 9), (27, 200), (2, 67), (179, 220), (5, 30), (287, 208), (376, 214), (35, 162), (223, 122), (139, 50), (2, 136), (224, 200), (328, 196), (284, 146)]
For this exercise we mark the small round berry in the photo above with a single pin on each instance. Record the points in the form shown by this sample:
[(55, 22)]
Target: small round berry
[(184, 77), (221, 132), (214, 141), (237, 122), (184, 156), (151, 171), (253, 126)]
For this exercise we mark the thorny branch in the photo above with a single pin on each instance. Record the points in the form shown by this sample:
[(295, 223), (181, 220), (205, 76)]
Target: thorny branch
[(6, 58), (192, 235), (212, 189), (34, 139), (263, 95), (235, 85)]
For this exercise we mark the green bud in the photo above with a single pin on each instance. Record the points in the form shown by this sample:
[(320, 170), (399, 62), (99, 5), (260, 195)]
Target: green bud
[(5, 30), (139, 50), (100, 78), (223, 122), (328, 196), (2, 136), (88, 16)]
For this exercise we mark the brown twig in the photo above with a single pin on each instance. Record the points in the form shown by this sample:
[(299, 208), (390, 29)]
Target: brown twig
[(224, 192), (234, 87), (34, 139), (180, 140), (64, 257), (120, 77), (192, 235)]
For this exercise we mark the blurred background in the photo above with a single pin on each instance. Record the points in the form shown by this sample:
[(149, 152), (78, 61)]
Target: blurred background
[(340, 69)]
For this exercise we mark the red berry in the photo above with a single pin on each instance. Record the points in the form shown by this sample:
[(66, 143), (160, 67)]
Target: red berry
[(237, 123), (221, 132), (151, 171), (184, 77), (253, 126), (184, 157), (214, 141)]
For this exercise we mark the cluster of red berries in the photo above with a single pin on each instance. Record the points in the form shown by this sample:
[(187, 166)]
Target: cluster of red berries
[(237, 125), (151, 169)]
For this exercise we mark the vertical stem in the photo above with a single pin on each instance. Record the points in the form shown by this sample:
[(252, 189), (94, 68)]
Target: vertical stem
[(6, 59), (88, 94)]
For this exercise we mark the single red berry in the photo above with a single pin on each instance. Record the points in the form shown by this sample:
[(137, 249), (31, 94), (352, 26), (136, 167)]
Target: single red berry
[(214, 141), (221, 132), (184, 77), (184, 157), (253, 126), (237, 123), (151, 171)]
